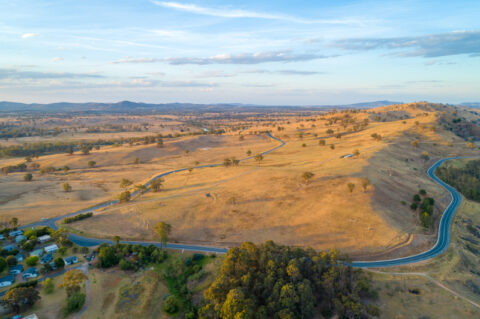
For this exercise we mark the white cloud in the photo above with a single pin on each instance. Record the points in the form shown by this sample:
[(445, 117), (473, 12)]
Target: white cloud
[(30, 35), (57, 59), (237, 13)]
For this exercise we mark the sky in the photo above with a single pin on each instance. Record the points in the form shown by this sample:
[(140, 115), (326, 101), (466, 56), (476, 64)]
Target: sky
[(254, 52)]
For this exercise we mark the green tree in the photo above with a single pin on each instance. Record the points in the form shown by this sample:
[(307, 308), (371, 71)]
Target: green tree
[(322, 142), (91, 164), (163, 230), (141, 188), (125, 183), (307, 176), (156, 184), (350, 187), (28, 177), (249, 153), (32, 261), (48, 286), (18, 297), (72, 280), (124, 196), (116, 239), (75, 302), (332, 146), (13, 222), (170, 305), (3, 264), (11, 260), (59, 263), (259, 157), (67, 187), (365, 183)]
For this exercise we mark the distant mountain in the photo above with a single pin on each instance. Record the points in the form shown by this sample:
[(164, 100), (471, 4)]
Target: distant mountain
[(128, 107), (470, 104)]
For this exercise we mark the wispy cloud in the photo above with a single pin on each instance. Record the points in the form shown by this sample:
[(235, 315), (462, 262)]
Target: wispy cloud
[(284, 72), (57, 59), (19, 74), (30, 35), (243, 58), (249, 58), (227, 12), (429, 46)]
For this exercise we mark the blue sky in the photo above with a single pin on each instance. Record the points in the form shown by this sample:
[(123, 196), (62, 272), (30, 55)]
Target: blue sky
[(262, 52)]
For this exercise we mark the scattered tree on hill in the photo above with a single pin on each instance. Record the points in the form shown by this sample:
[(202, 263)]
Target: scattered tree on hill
[(249, 153), (321, 142), (330, 131), (304, 145), (338, 135), (416, 198), (156, 184), (136, 160), (69, 150), (67, 188), (91, 164), (365, 183), (356, 153), (125, 183), (425, 156), (376, 136), (124, 196), (307, 176), (259, 157), (350, 187), (16, 298), (141, 188), (160, 143), (66, 169), (28, 177), (332, 146), (163, 231), (422, 192), (85, 148), (415, 143)]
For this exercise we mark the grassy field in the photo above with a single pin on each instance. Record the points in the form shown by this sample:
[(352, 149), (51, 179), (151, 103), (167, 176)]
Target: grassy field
[(267, 200)]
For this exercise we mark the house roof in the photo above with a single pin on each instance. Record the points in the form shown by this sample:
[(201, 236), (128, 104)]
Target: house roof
[(44, 237), (51, 247), (19, 267), (10, 278), (71, 258), (32, 270)]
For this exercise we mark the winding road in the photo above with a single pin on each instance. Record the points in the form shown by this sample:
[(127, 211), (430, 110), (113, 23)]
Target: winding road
[(443, 239)]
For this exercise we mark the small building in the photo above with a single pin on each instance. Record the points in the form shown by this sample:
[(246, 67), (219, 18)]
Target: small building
[(2, 237), (52, 265), (70, 260), (30, 273), (20, 257), (32, 316), (15, 233), (19, 238), (46, 258), (44, 238), (37, 252), (51, 248), (17, 269), (7, 280), (9, 247)]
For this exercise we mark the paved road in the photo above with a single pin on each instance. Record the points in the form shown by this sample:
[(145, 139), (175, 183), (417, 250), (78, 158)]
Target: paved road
[(443, 239)]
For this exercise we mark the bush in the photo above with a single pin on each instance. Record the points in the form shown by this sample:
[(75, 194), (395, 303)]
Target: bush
[(3, 264), (68, 220), (126, 264), (26, 284), (11, 260), (48, 286), (74, 303), (170, 305), (32, 260), (59, 263)]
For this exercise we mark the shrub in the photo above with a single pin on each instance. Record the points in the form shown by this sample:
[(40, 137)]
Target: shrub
[(32, 260), (59, 263), (74, 303), (48, 286), (11, 260), (170, 305), (126, 265)]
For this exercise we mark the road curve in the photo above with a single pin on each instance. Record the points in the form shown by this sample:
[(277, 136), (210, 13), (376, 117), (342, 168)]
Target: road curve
[(443, 239)]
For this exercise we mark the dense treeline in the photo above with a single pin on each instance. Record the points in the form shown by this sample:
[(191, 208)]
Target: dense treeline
[(14, 131), (273, 281), (68, 220), (466, 179)]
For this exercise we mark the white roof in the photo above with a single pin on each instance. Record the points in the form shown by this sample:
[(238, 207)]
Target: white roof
[(51, 247), (32, 316), (44, 237)]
